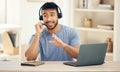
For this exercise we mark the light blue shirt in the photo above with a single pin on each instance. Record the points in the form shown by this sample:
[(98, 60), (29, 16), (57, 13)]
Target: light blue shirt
[(51, 52)]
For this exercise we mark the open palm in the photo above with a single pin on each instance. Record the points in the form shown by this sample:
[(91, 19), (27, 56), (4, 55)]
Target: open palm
[(57, 41)]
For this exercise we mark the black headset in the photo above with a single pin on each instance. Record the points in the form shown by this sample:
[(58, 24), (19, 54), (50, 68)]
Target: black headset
[(58, 10)]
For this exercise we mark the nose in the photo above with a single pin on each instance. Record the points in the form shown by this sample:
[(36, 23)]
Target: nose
[(49, 18)]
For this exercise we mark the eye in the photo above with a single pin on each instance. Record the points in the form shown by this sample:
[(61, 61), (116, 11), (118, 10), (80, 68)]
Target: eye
[(52, 14), (44, 16)]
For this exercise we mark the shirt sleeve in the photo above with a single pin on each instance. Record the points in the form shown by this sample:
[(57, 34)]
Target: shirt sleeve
[(74, 38)]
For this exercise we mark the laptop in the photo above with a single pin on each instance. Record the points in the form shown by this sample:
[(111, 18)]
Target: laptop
[(90, 54)]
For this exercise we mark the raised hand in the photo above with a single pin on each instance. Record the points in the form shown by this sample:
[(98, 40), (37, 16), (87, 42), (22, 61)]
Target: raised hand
[(57, 41), (39, 27)]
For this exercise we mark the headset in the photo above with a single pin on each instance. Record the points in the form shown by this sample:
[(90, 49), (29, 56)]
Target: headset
[(59, 12)]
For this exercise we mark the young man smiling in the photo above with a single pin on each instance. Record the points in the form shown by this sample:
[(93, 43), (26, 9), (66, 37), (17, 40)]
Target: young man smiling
[(55, 42)]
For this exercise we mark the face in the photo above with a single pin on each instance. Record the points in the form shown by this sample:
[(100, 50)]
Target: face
[(50, 18)]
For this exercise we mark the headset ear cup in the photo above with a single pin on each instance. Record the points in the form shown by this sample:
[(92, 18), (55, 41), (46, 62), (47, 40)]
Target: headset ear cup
[(59, 15), (41, 17)]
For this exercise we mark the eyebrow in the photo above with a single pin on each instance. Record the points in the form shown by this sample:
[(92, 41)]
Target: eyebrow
[(50, 13)]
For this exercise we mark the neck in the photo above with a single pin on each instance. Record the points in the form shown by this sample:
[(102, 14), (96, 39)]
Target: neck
[(56, 29)]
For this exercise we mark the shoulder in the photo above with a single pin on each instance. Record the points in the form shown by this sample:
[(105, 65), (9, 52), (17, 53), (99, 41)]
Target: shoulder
[(67, 28)]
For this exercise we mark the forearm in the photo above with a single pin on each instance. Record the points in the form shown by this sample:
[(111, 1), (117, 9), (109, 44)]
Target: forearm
[(72, 51), (32, 52)]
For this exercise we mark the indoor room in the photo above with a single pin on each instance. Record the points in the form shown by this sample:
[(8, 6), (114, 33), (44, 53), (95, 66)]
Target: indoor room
[(89, 24)]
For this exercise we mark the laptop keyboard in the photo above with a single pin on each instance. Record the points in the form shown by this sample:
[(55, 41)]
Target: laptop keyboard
[(70, 63)]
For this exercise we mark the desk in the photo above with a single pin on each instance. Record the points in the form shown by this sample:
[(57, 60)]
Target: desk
[(13, 66)]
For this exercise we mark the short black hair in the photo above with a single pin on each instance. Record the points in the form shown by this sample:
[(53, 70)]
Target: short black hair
[(50, 5)]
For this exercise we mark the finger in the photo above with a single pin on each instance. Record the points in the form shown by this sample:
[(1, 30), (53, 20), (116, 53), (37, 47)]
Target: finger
[(40, 25), (36, 27), (52, 42), (54, 36)]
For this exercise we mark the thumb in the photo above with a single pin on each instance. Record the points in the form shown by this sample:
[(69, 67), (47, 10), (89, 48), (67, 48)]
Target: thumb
[(52, 42)]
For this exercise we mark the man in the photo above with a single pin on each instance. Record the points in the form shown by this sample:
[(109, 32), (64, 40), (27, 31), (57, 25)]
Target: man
[(56, 42)]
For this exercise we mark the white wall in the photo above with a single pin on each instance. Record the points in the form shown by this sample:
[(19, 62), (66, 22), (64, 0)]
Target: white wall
[(117, 32), (2, 11), (13, 11)]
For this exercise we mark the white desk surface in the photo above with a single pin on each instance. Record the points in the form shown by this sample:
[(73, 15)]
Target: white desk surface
[(14, 66)]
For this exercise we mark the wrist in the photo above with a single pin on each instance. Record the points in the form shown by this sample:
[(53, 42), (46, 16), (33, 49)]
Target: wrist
[(38, 33), (64, 45)]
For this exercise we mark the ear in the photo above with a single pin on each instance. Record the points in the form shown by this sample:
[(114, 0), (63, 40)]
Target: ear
[(59, 15), (41, 17)]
